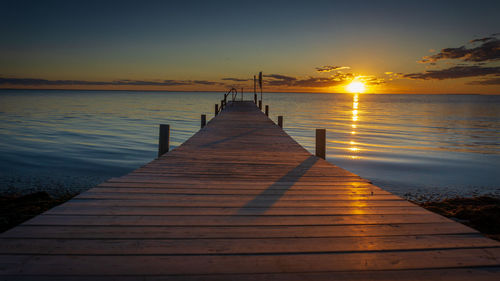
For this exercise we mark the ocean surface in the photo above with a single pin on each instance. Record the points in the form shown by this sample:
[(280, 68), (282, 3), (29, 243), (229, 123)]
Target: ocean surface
[(417, 146)]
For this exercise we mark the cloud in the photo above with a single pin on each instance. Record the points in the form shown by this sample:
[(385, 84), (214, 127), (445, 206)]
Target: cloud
[(489, 81), (126, 82), (371, 80), (280, 77), (204, 82), (309, 82), (274, 80), (489, 50), (280, 80), (235, 79), (329, 68), (485, 39), (392, 75), (454, 72), (318, 82)]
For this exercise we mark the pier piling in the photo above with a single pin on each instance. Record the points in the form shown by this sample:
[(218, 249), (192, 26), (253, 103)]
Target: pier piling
[(164, 139), (321, 143), (203, 120)]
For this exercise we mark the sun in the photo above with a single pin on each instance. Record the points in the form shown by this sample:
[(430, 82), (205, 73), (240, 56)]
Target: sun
[(356, 87)]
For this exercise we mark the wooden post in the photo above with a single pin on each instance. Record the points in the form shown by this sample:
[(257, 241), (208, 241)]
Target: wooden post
[(254, 90), (321, 143), (216, 109), (164, 139), (221, 104), (280, 121), (260, 104), (203, 120), (267, 110)]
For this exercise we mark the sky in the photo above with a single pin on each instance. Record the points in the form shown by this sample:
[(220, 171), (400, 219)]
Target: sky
[(300, 46)]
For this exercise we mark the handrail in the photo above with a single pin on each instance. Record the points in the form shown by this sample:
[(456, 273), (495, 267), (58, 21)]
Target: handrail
[(233, 92), (223, 103)]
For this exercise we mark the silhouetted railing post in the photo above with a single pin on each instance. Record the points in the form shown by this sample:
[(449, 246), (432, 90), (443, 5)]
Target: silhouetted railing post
[(321, 143), (203, 120), (280, 121), (267, 110), (221, 104), (216, 109), (164, 139), (255, 98), (260, 104)]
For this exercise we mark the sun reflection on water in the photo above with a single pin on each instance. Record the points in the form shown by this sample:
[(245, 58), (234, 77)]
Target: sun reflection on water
[(353, 149)]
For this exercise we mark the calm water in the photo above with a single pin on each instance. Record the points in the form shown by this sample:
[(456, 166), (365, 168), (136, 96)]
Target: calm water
[(408, 144)]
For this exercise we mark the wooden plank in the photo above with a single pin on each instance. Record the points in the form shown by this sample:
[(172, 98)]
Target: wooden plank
[(232, 220), (240, 246), (288, 182), (87, 209), (238, 264), (240, 191), (241, 204), (456, 274), (232, 232), (282, 196), (246, 185)]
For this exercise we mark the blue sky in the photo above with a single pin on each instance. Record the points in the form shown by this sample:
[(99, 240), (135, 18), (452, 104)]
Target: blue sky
[(210, 40)]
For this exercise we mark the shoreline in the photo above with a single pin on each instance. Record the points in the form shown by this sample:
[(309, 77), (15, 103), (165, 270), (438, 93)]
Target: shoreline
[(481, 213)]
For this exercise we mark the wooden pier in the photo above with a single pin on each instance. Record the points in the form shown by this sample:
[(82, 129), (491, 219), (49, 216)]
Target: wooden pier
[(241, 200)]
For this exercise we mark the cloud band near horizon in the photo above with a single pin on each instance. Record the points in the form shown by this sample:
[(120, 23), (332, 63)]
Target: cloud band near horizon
[(124, 82)]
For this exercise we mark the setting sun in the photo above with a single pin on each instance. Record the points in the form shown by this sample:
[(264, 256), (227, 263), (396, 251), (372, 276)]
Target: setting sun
[(356, 87)]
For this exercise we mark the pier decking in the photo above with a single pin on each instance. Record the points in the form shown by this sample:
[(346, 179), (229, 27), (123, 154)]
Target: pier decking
[(241, 200)]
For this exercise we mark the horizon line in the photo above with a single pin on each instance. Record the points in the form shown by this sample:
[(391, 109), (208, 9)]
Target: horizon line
[(223, 91)]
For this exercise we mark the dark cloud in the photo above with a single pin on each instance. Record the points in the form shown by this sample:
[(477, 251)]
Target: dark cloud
[(204, 82), (124, 82), (138, 83), (37, 82), (318, 82), (280, 77), (485, 39), (454, 72), (329, 68), (279, 80), (312, 82), (489, 50), (489, 81), (235, 79)]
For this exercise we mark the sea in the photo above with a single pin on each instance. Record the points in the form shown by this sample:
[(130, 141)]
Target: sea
[(418, 146)]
